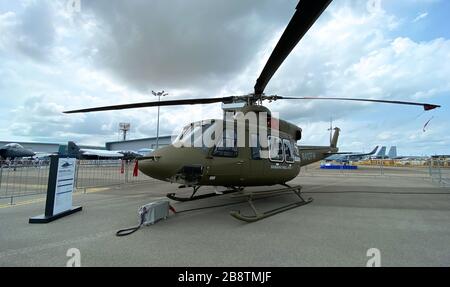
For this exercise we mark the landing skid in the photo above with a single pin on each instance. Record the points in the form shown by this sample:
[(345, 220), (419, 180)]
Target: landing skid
[(197, 197), (261, 215)]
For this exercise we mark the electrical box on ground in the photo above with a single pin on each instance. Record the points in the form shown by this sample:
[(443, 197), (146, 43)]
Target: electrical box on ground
[(154, 211)]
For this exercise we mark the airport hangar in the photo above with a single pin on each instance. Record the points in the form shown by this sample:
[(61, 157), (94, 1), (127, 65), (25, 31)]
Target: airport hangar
[(137, 144), (133, 144)]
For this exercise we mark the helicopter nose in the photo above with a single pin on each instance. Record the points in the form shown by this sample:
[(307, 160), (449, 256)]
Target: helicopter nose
[(158, 165), (155, 168), (167, 162)]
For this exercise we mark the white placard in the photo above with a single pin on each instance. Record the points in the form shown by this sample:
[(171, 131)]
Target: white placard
[(64, 185)]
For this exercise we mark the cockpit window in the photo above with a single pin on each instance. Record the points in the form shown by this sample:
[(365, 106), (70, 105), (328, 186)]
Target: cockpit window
[(275, 149), (227, 145), (288, 151), (192, 135)]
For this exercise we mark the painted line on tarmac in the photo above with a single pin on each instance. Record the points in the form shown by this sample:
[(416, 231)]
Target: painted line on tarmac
[(308, 190), (20, 185), (41, 199), (94, 190), (26, 202), (70, 242)]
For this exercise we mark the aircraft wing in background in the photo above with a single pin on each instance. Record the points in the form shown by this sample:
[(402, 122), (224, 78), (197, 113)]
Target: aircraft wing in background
[(84, 153), (346, 156), (100, 153)]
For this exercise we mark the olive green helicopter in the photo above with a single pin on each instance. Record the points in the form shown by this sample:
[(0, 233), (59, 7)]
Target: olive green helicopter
[(249, 146)]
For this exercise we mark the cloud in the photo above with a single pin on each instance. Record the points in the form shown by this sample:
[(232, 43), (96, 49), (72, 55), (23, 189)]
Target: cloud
[(115, 52), (37, 117), (30, 31), (420, 17), (182, 44), (354, 58), (8, 22)]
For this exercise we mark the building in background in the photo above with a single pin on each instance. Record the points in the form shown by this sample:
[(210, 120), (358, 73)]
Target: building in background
[(127, 145), (137, 144)]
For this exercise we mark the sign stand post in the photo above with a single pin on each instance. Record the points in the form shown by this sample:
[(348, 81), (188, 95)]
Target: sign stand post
[(59, 190)]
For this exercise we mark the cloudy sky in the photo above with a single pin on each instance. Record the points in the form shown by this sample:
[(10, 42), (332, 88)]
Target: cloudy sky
[(55, 57)]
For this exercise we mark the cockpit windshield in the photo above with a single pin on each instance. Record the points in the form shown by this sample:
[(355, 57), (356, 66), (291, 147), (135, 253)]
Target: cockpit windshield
[(195, 134), (14, 145)]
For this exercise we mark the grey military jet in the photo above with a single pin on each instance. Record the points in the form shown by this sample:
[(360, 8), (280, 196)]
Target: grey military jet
[(13, 151)]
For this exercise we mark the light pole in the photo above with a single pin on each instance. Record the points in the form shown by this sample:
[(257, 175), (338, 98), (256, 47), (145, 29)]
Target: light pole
[(158, 94)]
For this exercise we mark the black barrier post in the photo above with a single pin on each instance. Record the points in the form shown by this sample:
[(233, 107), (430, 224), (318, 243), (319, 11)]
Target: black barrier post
[(59, 190)]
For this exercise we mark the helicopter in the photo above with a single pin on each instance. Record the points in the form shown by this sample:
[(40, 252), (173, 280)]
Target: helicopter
[(263, 153)]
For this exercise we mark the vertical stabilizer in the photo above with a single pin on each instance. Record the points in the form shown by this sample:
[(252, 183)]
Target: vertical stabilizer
[(392, 152), (334, 140), (382, 152), (73, 150)]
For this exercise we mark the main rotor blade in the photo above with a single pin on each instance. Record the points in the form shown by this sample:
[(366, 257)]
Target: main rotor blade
[(425, 106), (154, 104), (307, 12)]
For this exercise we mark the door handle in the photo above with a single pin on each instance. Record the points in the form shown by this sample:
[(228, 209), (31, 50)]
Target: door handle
[(240, 162)]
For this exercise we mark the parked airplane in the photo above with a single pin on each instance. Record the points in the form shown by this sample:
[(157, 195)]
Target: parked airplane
[(43, 155), (130, 154), (351, 156), (82, 153), (145, 151), (14, 150), (392, 154), (381, 154)]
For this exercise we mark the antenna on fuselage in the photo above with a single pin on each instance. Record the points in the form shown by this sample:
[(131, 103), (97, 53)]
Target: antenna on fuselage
[(331, 129)]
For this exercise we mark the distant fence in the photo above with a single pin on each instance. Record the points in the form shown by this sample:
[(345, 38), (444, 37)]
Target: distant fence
[(29, 177), (396, 162), (354, 169), (22, 178), (95, 173), (25, 178), (439, 170)]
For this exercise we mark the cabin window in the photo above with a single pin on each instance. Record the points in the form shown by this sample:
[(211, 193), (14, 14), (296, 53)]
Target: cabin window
[(275, 149), (288, 151), (227, 145), (255, 147)]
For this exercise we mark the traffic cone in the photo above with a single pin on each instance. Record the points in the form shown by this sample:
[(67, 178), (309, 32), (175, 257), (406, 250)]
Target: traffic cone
[(136, 168)]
